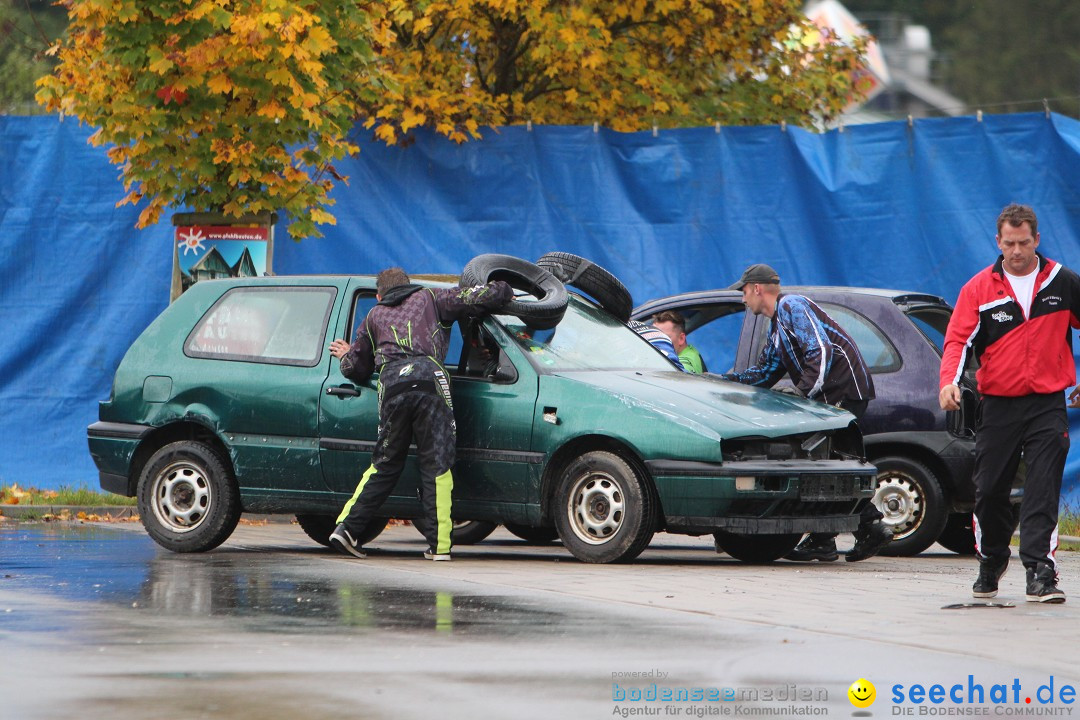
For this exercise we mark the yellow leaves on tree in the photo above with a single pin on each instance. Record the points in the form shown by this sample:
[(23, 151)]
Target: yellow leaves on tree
[(206, 103), (243, 105), (627, 64)]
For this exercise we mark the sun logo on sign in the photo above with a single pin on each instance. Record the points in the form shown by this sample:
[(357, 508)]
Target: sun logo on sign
[(191, 241)]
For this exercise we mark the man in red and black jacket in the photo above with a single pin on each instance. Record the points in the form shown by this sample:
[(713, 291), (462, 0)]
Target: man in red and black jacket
[(1016, 318)]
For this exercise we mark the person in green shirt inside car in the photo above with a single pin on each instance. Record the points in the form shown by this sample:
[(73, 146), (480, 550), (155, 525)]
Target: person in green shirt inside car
[(672, 324)]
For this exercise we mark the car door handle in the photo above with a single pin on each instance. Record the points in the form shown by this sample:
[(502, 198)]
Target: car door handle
[(343, 391)]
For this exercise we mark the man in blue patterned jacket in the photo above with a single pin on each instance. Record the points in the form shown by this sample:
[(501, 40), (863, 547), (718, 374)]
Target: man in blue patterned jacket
[(405, 336), (824, 364)]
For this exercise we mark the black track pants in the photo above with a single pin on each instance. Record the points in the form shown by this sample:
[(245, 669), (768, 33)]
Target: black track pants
[(426, 417), (1037, 427)]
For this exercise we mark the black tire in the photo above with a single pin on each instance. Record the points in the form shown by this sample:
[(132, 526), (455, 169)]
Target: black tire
[(319, 527), (470, 532), (188, 499), (545, 311), (756, 549), (604, 509), (913, 503), (958, 534), (606, 289), (533, 535)]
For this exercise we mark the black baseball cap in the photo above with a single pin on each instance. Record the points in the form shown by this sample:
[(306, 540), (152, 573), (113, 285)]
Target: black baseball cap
[(759, 273)]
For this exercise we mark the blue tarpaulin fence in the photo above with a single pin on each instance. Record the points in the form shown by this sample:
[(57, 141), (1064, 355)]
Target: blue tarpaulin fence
[(887, 205)]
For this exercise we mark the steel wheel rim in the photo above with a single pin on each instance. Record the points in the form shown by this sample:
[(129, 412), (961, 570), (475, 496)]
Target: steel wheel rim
[(181, 496), (596, 508), (900, 502)]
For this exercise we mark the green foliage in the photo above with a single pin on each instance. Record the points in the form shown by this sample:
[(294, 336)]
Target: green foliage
[(26, 31)]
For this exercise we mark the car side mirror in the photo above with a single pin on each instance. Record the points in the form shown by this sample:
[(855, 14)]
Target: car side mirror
[(961, 423), (505, 372)]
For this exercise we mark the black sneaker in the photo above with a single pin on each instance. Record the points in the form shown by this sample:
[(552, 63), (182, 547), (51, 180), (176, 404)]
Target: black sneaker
[(990, 571), (1042, 585), (430, 554), (343, 541), (816, 546), (869, 541)]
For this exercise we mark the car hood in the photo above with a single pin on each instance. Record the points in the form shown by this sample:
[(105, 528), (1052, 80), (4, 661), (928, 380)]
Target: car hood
[(727, 408)]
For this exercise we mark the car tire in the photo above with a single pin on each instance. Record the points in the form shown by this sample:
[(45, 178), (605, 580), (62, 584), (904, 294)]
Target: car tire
[(188, 498), (958, 534), (545, 311), (911, 499), (604, 509), (319, 527), (756, 549), (470, 532), (533, 535), (606, 289)]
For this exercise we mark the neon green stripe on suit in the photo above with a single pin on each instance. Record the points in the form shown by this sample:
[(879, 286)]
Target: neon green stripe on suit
[(444, 484), (359, 489)]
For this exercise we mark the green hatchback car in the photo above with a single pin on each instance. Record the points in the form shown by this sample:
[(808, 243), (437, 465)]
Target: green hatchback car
[(230, 402)]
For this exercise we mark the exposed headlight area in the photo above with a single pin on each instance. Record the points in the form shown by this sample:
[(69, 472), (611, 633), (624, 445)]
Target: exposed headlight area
[(809, 446)]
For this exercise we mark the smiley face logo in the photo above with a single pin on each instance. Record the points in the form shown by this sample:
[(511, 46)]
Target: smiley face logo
[(862, 693)]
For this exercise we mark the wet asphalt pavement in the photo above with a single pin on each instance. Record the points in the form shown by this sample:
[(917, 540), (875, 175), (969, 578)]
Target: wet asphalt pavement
[(97, 621)]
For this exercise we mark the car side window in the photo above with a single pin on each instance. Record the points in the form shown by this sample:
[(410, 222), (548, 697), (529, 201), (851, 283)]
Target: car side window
[(880, 355), (718, 340), (275, 325), (365, 300), (714, 330)]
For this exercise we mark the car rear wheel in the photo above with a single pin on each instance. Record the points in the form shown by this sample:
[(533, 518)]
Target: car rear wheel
[(188, 499), (912, 502), (319, 527), (605, 509), (470, 532), (533, 535), (755, 549)]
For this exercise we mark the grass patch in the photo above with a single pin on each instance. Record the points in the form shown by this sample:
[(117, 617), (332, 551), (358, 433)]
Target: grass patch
[(64, 495)]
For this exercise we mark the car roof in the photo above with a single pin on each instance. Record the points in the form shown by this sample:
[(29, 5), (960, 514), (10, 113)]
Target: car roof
[(897, 296)]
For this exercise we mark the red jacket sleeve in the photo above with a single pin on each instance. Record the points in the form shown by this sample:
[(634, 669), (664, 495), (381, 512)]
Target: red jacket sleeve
[(960, 335)]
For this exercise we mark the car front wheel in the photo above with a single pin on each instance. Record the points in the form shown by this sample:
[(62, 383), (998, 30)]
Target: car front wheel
[(912, 502), (188, 499), (604, 509)]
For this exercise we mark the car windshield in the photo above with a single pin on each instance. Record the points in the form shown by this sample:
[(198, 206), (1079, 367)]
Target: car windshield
[(587, 338)]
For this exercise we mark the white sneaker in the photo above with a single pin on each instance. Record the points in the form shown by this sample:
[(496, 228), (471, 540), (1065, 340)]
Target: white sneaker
[(437, 557)]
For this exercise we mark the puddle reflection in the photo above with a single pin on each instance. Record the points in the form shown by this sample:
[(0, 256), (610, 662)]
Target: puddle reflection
[(268, 592)]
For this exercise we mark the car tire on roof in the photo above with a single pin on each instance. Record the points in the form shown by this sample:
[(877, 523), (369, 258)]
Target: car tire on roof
[(756, 549), (545, 311), (606, 289), (604, 509), (188, 499), (319, 527), (910, 497)]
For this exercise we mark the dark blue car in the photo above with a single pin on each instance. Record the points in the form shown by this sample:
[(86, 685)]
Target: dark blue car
[(924, 456)]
